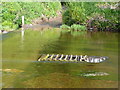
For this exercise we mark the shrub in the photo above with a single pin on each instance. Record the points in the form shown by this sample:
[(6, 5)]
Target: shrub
[(12, 12), (74, 14), (65, 26), (75, 27), (78, 27), (103, 15), (9, 25)]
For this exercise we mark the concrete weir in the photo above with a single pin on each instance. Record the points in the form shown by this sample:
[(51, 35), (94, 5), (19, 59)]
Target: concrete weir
[(72, 58)]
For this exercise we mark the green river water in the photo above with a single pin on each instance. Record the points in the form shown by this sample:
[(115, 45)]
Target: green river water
[(21, 69)]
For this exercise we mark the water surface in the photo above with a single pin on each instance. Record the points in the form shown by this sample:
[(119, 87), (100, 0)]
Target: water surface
[(20, 53)]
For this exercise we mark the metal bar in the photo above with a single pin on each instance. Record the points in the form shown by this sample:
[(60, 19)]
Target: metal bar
[(61, 57), (76, 58), (68, 58), (65, 59), (56, 57), (39, 59), (85, 57), (71, 58), (51, 57), (46, 57), (82, 58)]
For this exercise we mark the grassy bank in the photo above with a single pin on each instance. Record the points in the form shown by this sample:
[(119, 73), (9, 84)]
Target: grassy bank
[(12, 12), (77, 16)]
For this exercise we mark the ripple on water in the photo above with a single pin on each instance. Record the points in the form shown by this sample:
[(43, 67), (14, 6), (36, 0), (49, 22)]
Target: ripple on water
[(89, 74)]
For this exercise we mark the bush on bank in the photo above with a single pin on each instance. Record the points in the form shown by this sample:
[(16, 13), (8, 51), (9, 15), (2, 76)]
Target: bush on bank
[(65, 26), (12, 12), (100, 15), (74, 27), (77, 27)]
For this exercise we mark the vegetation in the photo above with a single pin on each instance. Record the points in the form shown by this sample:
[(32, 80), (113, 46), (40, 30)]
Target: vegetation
[(100, 15), (65, 26), (78, 27), (74, 27), (12, 12), (76, 16), (73, 14)]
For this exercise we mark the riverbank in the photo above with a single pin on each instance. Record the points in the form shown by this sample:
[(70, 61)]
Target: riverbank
[(45, 23), (41, 24), (5, 31)]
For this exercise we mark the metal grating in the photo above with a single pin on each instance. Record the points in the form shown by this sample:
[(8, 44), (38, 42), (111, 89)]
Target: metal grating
[(61, 57), (71, 58)]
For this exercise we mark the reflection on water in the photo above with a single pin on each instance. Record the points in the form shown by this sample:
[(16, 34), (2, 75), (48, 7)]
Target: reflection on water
[(22, 71)]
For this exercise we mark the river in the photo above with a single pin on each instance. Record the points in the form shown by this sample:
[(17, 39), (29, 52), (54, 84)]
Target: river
[(20, 53)]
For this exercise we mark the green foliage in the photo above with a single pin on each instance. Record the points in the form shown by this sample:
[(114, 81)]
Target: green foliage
[(12, 12), (78, 27), (65, 26), (74, 14), (66, 18), (50, 8), (9, 25), (103, 15), (75, 27)]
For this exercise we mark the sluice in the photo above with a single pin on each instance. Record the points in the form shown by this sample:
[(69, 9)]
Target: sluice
[(72, 58)]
